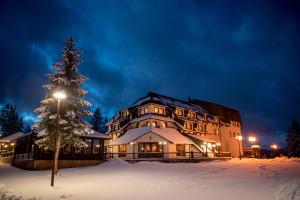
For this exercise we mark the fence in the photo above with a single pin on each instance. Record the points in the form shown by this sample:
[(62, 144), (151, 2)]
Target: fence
[(164, 155)]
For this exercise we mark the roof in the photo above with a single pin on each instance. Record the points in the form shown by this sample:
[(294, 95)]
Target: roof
[(152, 116), (202, 138), (12, 137), (97, 134), (170, 134), (168, 101), (227, 114)]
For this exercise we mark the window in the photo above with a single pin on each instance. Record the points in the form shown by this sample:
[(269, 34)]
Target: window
[(233, 134), (155, 109), (96, 146), (122, 150), (179, 112), (87, 149), (230, 134), (154, 124), (143, 111), (115, 127), (192, 115), (203, 127), (188, 125), (164, 124), (180, 149), (161, 111), (124, 113)]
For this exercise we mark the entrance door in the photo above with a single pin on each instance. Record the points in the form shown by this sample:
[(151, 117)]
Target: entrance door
[(150, 150)]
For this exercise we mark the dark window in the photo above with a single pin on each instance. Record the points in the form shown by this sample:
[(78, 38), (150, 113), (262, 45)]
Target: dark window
[(96, 146)]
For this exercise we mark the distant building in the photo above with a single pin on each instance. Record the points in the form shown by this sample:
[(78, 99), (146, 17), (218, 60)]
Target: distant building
[(161, 126)]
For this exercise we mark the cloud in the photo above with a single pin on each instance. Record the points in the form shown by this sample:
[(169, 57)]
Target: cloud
[(242, 54)]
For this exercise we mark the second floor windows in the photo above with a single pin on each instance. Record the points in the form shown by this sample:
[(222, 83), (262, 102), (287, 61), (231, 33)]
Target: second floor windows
[(192, 115), (202, 127), (159, 110), (143, 111)]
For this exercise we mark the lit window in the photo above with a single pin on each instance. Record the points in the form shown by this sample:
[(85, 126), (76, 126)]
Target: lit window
[(180, 148), (146, 110), (155, 109), (161, 111), (163, 124), (154, 124)]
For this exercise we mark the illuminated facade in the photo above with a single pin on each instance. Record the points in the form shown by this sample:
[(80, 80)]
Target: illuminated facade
[(160, 126)]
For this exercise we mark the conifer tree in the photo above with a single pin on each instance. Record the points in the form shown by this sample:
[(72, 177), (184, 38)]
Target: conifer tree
[(71, 124), (97, 120), (293, 139), (10, 121)]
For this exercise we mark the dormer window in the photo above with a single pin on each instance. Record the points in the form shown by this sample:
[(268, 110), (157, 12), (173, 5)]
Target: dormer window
[(124, 113), (179, 112), (192, 115)]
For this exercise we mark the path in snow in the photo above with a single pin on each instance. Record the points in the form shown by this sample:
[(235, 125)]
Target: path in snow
[(247, 179)]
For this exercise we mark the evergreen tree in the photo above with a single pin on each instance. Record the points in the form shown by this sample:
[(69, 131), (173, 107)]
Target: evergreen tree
[(293, 139), (97, 120), (10, 121), (71, 125)]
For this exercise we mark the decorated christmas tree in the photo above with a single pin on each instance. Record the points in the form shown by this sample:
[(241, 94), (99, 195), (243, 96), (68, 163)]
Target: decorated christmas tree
[(67, 127)]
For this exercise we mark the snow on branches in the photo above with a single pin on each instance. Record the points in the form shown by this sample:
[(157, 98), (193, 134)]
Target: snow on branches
[(70, 122)]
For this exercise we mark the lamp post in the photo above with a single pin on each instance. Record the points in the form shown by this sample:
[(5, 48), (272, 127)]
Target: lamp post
[(239, 139), (274, 147), (59, 95), (133, 150), (252, 140)]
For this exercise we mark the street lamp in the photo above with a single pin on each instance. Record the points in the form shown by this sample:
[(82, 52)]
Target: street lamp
[(252, 139), (133, 150), (239, 139), (274, 147), (59, 95)]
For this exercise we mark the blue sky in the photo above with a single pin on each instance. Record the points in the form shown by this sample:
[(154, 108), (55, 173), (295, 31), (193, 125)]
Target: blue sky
[(242, 54)]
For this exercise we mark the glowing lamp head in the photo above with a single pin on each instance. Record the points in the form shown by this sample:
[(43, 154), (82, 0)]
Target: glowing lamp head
[(274, 146), (59, 95), (252, 139), (239, 137), (255, 146)]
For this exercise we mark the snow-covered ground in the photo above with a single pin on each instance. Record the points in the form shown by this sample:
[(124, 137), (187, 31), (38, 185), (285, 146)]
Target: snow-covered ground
[(247, 179)]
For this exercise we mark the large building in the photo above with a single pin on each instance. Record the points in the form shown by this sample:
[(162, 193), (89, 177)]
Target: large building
[(160, 126)]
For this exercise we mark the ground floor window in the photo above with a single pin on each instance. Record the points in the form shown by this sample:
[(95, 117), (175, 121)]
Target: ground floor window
[(122, 150), (180, 148)]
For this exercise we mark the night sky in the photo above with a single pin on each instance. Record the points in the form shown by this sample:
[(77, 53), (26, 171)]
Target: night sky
[(243, 54)]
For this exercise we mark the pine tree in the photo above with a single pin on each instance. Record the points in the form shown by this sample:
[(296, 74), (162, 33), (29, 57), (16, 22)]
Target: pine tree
[(71, 125), (293, 139), (10, 121), (97, 120)]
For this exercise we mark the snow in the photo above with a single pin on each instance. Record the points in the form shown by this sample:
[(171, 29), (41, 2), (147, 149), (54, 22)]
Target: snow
[(170, 134), (152, 116), (248, 179), (12, 137)]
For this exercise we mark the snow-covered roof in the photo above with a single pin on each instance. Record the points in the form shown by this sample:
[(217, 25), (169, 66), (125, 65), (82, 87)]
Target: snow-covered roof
[(97, 134), (202, 138), (152, 116), (170, 134), (12, 137)]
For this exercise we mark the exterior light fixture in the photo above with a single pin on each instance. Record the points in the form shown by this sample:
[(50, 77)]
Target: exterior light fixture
[(218, 144), (252, 139), (274, 146), (59, 95)]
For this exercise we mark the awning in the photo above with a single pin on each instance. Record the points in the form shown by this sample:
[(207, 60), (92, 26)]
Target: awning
[(170, 134)]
